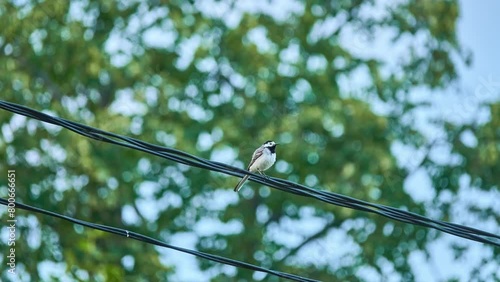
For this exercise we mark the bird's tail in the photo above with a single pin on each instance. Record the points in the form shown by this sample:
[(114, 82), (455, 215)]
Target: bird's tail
[(238, 186)]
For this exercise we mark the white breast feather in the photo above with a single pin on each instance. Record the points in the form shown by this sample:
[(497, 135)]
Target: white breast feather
[(263, 162)]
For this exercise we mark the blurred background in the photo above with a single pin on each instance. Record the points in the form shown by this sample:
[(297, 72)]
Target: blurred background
[(392, 102)]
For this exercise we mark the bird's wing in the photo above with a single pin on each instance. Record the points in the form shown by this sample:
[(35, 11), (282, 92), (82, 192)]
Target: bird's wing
[(255, 156)]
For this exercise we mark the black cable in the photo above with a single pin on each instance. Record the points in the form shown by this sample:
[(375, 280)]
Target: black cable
[(149, 240), (283, 185)]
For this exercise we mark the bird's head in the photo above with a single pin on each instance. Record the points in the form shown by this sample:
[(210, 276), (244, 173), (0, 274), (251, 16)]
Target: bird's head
[(270, 144)]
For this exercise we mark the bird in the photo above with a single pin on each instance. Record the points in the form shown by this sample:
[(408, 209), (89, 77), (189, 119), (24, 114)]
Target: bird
[(262, 159)]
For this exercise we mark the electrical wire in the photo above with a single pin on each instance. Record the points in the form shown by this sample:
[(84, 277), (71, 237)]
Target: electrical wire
[(149, 240), (280, 184)]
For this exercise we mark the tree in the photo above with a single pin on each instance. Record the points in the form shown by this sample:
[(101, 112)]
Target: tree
[(216, 79)]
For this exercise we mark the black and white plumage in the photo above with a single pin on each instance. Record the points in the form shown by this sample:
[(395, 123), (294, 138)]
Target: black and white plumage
[(262, 159)]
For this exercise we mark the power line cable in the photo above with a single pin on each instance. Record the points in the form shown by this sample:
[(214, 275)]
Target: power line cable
[(149, 240), (280, 184)]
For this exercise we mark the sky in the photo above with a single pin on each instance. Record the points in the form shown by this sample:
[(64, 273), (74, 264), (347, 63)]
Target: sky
[(478, 29)]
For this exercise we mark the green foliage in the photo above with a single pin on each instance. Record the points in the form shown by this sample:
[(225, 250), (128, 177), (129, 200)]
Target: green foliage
[(77, 59)]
